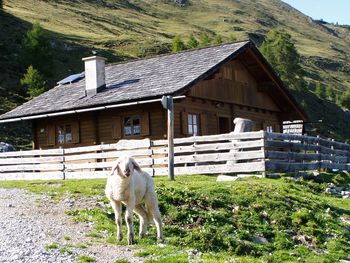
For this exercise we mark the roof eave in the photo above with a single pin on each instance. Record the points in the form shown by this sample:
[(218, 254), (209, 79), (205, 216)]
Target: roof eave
[(82, 110)]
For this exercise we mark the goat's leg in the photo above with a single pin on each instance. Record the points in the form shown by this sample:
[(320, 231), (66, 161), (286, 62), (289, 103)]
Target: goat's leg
[(129, 223), (158, 222), (143, 220), (153, 210), (117, 208)]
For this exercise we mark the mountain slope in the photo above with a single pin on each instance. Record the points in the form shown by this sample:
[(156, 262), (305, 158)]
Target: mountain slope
[(122, 29)]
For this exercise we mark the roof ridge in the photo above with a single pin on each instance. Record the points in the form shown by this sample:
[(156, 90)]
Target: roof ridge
[(170, 54)]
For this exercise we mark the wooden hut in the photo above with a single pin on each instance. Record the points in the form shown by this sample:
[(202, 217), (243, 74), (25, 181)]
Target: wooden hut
[(210, 86)]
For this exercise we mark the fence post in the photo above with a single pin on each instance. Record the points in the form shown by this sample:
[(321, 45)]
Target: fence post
[(348, 159), (264, 153), (63, 164), (332, 147), (319, 157)]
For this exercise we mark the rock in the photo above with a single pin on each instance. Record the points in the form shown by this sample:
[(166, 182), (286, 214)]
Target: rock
[(6, 147), (10, 205), (338, 188), (226, 178), (330, 190), (331, 185), (315, 173), (235, 209), (273, 176), (260, 240)]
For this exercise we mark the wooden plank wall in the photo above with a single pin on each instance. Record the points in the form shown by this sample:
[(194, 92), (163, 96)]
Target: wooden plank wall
[(96, 127)]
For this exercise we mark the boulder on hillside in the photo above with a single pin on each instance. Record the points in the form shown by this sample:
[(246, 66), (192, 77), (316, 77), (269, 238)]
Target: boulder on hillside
[(6, 147)]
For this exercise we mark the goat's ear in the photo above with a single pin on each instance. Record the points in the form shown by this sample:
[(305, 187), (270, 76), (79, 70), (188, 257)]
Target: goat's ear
[(114, 168), (135, 164)]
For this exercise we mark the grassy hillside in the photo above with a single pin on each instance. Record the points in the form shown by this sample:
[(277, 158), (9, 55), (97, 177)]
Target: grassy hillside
[(126, 29), (252, 220)]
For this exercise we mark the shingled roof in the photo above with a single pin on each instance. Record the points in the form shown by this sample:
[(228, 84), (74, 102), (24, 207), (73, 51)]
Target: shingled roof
[(134, 81)]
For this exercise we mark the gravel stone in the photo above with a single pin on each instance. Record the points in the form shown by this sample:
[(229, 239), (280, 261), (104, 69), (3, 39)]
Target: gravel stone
[(30, 223)]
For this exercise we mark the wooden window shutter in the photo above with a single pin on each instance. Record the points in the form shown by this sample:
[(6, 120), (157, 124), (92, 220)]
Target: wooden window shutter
[(184, 122), (50, 135), (75, 132), (145, 130), (116, 127), (204, 124)]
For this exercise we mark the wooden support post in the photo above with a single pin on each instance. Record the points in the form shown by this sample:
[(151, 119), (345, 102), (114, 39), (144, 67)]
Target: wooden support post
[(168, 104), (63, 164), (170, 138)]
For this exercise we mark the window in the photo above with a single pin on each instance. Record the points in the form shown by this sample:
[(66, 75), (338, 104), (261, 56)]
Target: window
[(192, 121), (269, 129), (132, 125), (64, 133)]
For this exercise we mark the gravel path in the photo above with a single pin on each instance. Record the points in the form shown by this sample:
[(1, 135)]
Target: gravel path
[(33, 228)]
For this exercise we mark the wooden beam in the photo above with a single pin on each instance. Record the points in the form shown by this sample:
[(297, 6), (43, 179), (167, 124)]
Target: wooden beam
[(170, 138)]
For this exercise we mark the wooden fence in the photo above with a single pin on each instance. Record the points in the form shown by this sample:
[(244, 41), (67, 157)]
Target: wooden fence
[(213, 154)]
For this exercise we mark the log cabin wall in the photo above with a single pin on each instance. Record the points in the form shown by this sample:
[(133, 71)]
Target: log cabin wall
[(233, 92), (100, 127)]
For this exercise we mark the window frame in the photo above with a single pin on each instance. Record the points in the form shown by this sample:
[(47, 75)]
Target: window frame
[(132, 119), (64, 125), (269, 128), (191, 125)]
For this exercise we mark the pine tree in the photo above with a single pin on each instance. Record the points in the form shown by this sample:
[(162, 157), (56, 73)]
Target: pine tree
[(217, 40), (320, 90), (34, 82), (177, 44), (192, 42), (345, 100), (330, 93), (37, 50), (204, 40), (279, 49)]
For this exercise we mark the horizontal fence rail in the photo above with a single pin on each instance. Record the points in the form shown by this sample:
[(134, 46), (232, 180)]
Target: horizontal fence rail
[(224, 153), (292, 153)]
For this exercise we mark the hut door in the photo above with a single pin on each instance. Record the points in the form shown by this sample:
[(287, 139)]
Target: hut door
[(224, 125)]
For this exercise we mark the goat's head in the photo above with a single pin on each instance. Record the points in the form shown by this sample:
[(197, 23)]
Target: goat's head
[(125, 167)]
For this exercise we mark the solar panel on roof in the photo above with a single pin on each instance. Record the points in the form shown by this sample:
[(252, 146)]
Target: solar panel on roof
[(71, 78)]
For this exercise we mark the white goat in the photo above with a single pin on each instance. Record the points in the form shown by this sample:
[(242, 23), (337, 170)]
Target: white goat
[(129, 185)]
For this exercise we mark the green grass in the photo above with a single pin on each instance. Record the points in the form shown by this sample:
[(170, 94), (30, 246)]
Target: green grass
[(94, 234), (121, 261), (128, 29), (84, 258), (219, 221), (52, 246), (83, 246), (65, 251)]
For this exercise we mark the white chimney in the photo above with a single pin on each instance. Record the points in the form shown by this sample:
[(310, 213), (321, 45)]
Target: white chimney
[(94, 74)]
